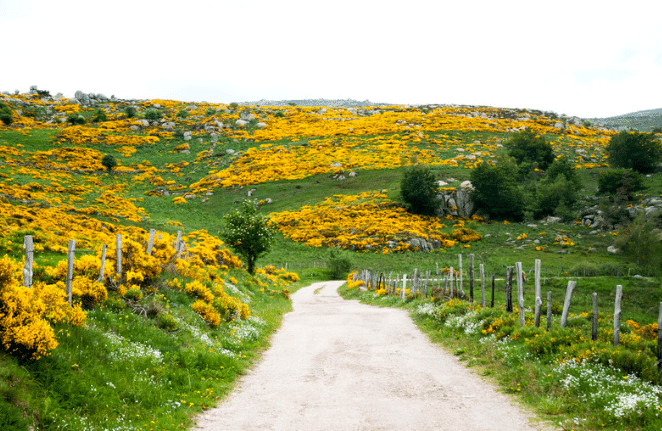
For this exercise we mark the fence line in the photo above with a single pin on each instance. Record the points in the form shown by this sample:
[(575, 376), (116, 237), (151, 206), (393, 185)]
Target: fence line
[(424, 285)]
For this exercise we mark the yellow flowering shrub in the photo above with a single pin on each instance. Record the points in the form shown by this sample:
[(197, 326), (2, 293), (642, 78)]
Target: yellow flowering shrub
[(207, 312), (199, 290)]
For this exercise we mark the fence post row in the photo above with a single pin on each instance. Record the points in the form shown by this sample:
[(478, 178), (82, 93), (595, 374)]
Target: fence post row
[(28, 245)]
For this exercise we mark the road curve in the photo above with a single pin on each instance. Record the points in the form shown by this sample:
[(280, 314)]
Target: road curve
[(341, 365)]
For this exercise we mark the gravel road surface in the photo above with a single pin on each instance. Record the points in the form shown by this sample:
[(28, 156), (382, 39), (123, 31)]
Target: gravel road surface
[(342, 365)]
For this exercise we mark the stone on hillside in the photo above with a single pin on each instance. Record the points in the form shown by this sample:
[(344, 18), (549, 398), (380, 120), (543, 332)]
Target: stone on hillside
[(168, 125), (613, 249), (352, 174), (188, 136), (336, 165), (135, 128), (241, 123), (189, 196), (246, 117), (559, 126), (466, 185), (261, 125), (441, 183), (552, 219), (143, 122), (229, 151)]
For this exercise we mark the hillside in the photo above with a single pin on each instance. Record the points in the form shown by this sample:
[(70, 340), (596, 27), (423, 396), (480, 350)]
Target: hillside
[(188, 319), (643, 121)]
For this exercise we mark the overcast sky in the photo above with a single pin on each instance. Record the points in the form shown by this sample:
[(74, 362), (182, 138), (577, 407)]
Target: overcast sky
[(581, 57)]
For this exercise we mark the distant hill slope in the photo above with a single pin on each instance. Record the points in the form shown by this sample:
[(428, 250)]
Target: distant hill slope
[(644, 121), (336, 103)]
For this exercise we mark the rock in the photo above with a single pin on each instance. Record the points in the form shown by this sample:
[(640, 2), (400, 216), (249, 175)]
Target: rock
[(135, 128), (613, 249), (241, 123), (552, 219), (188, 136), (341, 178), (246, 117), (229, 151), (168, 125), (352, 174), (559, 126), (336, 165), (261, 125), (441, 183), (189, 196), (185, 151), (143, 122), (466, 185)]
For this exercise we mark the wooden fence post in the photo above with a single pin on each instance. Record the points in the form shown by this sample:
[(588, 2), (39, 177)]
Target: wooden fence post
[(509, 289), (103, 264), (118, 240), (28, 245), (493, 287), (438, 278), (71, 254), (594, 328), (459, 278), (549, 310), (566, 303), (617, 315), (404, 285), (452, 277), (481, 269), (538, 293), (471, 277), (150, 243), (520, 293), (178, 245)]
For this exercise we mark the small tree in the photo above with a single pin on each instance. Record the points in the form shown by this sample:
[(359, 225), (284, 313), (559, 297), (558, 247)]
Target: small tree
[(620, 183), (108, 162), (418, 189), (641, 243), (528, 147), (495, 190), (248, 233), (639, 151), (339, 265)]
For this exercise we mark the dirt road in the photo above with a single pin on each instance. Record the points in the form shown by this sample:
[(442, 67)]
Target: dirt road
[(342, 365)]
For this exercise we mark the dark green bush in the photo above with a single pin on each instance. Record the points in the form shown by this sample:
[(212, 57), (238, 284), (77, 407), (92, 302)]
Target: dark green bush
[(630, 362), (418, 190), (182, 113), (639, 151), (130, 111), (640, 243), (496, 192), (11, 419), (75, 118), (339, 265), (555, 196), (99, 116), (5, 114), (622, 183), (563, 166), (108, 162), (153, 114), (528, 147)]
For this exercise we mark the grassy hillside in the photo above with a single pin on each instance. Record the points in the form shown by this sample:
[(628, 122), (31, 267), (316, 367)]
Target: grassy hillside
[(328, 176)]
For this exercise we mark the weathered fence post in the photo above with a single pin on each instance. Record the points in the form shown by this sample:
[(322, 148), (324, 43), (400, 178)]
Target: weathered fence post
[(594, 328), (459, 278), (452, 277), (538, 294), (427, 283), (549, 310), (71, 254), (414, 282), (118, 241), (178, 246), (659, 340), (438, 279), (446, 284), (481, 269), (150, 243), (520, 293), (471, 277), (493, 287), (28, 245), (509, 289), (566, 303), (404, 285), (103, 264), (617, 315)]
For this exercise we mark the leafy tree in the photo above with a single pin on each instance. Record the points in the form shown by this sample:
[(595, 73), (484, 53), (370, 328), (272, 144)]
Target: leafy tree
[(248, 233), (108, 162), (130, 111), (418, 189), (562, 166), (639, 151), (339, 265), (555, 196), (528, 147), (621, 183), (75, 118), (641, 243), (99, 116), (153, 114), (495, 190)]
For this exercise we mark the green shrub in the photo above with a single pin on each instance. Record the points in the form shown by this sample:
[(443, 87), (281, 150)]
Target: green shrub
[(528, 147), (495, 190), (134, 294), (629, 361), (622, 183), (11, 419), (75, 118), (99, 116), (553, 342), (6, 118), (166, 322), (562, 166), (114, 304), (153, 114), (182, 113), (130, 111), (639, 151), (418, 190), (339, 265), (556, 196), (640, 243), (108, 162)]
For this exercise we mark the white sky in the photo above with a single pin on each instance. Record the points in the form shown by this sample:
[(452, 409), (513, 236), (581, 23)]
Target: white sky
[(580, 57)]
